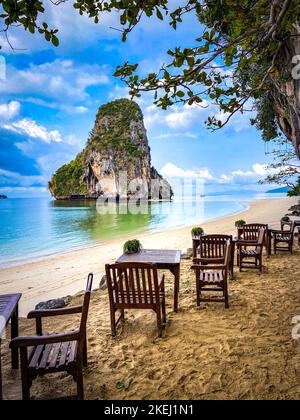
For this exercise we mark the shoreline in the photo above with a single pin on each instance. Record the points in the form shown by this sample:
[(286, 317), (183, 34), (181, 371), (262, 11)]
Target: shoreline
[(65, 273), (14, 263)]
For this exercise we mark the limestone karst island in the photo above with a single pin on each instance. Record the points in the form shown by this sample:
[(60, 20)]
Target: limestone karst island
[(117, 146), (149, 203)]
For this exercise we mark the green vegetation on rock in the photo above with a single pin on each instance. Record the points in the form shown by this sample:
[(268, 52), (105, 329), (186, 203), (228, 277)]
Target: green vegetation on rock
[(116, 137), (69, 179)]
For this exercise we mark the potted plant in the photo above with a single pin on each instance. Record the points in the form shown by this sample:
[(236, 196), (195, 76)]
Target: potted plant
[(240, 223), (197, 232), (132, 247)]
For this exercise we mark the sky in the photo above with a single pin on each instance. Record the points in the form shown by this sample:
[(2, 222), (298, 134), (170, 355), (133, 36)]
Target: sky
[(49, 99)]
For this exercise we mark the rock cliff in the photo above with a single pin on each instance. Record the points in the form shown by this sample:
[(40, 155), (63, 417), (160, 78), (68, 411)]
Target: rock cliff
[(116, 162)]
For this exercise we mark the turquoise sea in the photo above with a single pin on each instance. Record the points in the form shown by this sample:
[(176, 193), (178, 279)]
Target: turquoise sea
[(36, 227)]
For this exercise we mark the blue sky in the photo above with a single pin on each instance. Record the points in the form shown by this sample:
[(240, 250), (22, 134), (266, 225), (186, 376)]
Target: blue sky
[(50, 96)]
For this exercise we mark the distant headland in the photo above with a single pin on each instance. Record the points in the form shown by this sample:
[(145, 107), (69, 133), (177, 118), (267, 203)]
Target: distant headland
[(2, 197)]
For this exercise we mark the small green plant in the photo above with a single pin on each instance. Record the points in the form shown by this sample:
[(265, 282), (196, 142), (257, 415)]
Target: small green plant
[(285, 219), (197, 231), (240, 223), (132, 247)]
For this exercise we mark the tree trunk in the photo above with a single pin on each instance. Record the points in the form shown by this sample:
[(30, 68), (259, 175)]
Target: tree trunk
[(285, 96)]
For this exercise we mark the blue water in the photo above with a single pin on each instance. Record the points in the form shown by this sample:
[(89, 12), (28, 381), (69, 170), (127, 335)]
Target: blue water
[(31, 228)]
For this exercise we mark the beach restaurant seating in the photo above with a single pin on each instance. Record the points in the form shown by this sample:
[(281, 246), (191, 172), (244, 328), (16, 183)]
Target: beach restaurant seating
[(250, 252), (250, 232), (284, 239), (135, 286), (52, 353), (212, 268)]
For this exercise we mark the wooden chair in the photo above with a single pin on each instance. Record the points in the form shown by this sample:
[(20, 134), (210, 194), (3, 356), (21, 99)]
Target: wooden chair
[(135, 286), (255, 253), (213, 247), (282, 237), (250, 232), (46, 354), (212, 269)]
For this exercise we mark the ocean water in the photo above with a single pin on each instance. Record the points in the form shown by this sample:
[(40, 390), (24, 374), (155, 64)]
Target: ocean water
[(31, 228)]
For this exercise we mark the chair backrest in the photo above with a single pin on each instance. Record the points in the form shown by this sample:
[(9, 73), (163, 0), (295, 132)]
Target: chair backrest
[(213, 263), (130, 282), (213, 247), (86, 305), (252, 231), (260, 240)]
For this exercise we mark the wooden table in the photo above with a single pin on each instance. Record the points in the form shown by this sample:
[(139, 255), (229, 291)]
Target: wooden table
[(9, 311), (164, 259)]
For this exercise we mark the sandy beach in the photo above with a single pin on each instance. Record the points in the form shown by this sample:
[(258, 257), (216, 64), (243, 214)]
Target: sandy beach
[(246, 352), (64, 274)]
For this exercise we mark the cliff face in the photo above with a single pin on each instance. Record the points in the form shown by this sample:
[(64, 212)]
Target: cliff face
[(116, 162)]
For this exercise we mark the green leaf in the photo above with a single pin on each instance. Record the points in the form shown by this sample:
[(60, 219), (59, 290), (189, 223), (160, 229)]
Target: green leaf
[(55, 41)]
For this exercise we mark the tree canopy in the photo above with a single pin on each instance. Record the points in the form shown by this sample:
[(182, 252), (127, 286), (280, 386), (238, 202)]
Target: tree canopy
[(242, 59)]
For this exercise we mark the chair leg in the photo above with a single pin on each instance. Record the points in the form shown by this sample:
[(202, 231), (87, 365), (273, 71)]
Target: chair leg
[(198, 292), (123, 315), (159, 323), (260, 264), (25, 377), (79, 381), (113, 323), (85, 355), (226, 298), (164, 313)]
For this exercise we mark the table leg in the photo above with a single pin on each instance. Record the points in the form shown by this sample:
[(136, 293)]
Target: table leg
[(176, 272), (14, 334), (1, 395), (195, 245)]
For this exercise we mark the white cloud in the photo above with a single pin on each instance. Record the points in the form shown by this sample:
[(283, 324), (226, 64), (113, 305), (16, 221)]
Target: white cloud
[(170, 170), (10, 110), (16, 179), (119, 92), (238, 122), (32, 129), (258, 172), (186, 116), (236, 177), (60, 84), (186, 134)]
